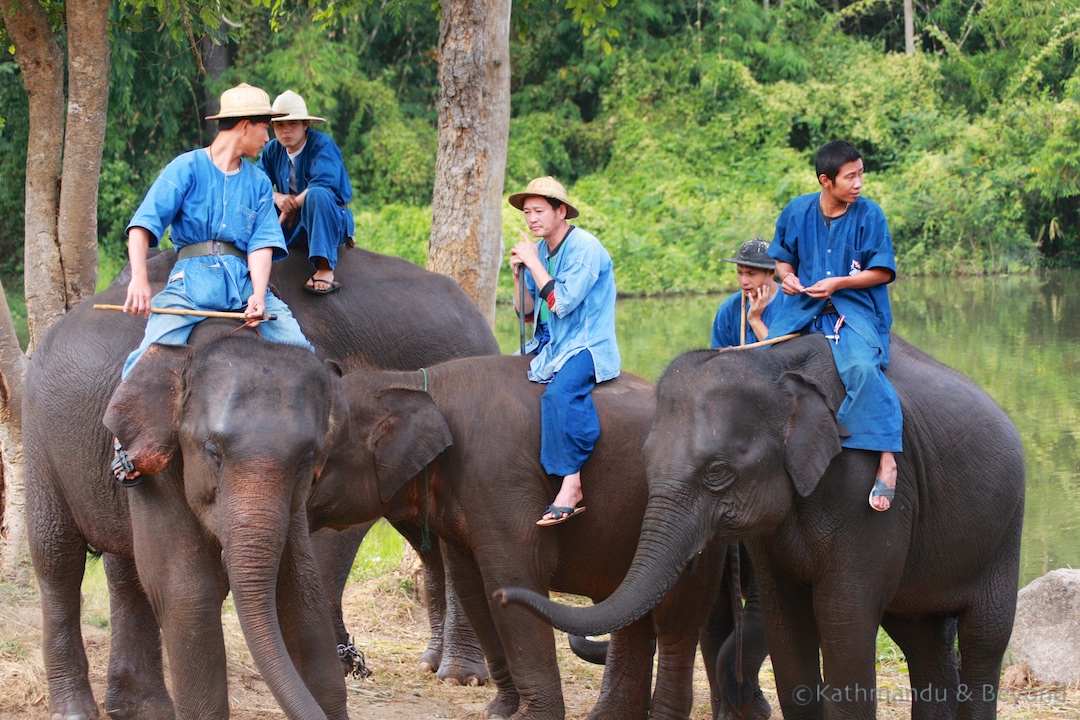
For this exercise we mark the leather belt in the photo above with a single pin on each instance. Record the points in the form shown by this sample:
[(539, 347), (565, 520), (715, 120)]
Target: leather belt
[(829, 309), (211, 247)]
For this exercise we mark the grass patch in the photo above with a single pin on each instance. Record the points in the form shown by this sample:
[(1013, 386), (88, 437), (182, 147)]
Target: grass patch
[(380, 553)]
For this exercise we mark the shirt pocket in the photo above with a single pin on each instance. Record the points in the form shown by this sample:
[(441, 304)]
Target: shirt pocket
[(243, 221)]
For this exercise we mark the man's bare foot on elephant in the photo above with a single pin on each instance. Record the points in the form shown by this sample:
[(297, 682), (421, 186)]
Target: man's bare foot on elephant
[(881, 496), (122, 468), (564, 506)]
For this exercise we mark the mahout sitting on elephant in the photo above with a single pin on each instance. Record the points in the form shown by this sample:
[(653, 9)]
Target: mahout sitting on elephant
[(455, 447), (395, 315), (746, 445)]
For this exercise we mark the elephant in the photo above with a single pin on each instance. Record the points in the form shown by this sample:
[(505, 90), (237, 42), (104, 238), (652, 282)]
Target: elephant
[(224, 510), (414, 317), (455, 447), (746, 445)]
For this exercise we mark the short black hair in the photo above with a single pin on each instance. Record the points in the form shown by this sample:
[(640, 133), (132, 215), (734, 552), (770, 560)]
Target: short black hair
[(834, 155), (230, 122)]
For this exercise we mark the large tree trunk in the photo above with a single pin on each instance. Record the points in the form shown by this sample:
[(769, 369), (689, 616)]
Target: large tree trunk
[(474, 129), (88, 102), (40, 63)]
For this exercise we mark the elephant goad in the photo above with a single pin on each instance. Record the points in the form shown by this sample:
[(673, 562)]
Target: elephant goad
[(456, 447), (746, 445), (392, 313)]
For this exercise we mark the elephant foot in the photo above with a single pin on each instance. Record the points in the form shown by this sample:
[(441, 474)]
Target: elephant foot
[(71, 713), (502, 707), (157, 707), (463, 671), (757, 708), (429, 660)]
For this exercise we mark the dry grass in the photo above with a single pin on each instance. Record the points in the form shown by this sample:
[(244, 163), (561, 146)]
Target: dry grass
[(390, 627)]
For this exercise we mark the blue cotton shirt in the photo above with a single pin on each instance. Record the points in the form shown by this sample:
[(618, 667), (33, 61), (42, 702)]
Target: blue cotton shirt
[(319, 164), (857, 241), (583, 317), (728, 321)]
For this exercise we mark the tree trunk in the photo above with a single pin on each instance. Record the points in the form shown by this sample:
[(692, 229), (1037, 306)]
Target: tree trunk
[(88, 102), (474, 129), (216, 62), (909, 27), (40, 61)]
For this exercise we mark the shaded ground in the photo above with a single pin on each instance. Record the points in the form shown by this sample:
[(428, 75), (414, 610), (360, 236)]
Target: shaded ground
[(390, 627)]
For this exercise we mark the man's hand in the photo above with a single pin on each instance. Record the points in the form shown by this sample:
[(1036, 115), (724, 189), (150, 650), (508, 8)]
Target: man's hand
[(823, 288), (138, 297), (256, 309), (524, 253), (758, 300), (286, 203)]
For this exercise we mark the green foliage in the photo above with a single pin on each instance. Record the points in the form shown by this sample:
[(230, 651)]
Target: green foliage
[(379, 554)]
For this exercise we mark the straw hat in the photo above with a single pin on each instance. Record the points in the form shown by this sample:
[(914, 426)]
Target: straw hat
[(754, 253), (291, 106), (547, 187), (244, 101)]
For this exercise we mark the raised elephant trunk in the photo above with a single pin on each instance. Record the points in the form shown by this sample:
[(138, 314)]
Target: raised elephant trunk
[(670, 538), (252, 543)]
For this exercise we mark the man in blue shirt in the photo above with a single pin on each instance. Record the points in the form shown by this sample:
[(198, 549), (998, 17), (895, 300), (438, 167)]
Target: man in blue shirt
[(571, 298), (834, 256), (744, 317), (311, 189), (221, 213)]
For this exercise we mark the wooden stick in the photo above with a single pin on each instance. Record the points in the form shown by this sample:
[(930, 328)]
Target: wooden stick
[(742, 320), (762, 343), (197, 313)]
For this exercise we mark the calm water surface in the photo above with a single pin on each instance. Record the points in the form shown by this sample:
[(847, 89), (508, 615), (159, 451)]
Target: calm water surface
[(1018, 337)]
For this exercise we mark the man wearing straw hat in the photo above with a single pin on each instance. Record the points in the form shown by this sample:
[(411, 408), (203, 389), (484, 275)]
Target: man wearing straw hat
[(745, 316), (312, 189), (221, 213), (570, 298)]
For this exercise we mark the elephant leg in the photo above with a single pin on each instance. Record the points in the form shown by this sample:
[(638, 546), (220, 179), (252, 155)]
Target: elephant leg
[(737, 692), (335, 552), (624, 692), (182, 573), (792, 636), (454, 651), (306, 626), (928, 644), (58, 553), (136, 687), (469, 585), (984, 633), (848, 628)]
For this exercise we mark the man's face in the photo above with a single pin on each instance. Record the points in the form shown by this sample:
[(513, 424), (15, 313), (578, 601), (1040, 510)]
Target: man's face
[(253, 137), (848, 183), (751, 278), (543, 220), (291, 133)]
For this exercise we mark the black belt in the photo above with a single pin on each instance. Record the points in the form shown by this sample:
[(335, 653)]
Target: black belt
[(829, 309), (211, 247)]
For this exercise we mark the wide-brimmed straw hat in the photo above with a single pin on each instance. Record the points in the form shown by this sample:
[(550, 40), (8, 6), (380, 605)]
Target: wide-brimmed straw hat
[(547, 187), (292, 107), (754, 253), (244, 101)]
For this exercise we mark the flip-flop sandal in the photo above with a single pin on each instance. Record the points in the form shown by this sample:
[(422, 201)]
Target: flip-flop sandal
[(334, 286), (881, 490), (560, 514), (122, 467)]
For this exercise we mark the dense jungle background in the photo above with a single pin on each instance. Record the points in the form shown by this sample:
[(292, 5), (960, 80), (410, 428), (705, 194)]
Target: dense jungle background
[(681, 127)]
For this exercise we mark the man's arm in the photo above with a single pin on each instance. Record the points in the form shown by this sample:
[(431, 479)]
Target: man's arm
[(138, 294), (259, 269)]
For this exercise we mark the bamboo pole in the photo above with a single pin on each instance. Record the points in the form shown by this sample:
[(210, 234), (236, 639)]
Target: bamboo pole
[(197, 313)]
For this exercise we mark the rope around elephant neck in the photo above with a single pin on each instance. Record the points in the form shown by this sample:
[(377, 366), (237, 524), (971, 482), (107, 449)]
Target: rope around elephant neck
[(425, 531)]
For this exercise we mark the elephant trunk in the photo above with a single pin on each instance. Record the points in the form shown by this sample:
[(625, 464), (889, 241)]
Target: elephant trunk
[(671, 535), (252, 546)]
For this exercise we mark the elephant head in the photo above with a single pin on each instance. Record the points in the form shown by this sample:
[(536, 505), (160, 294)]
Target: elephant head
[(735, 439), (238, 429)]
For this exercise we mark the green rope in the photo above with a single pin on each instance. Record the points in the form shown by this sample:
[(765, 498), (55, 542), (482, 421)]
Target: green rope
[(425, 531)]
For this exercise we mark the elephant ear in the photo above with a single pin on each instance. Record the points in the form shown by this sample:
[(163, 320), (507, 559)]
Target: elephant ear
[(144, 411), (812, 436), (407, 438)]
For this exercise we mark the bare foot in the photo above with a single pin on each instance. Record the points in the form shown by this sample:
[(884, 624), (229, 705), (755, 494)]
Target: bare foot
[(881, 495)]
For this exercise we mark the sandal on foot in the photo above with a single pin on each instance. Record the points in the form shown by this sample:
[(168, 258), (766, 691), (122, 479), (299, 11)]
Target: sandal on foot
[(881, 490), (122, 468), (310, 286), (559, 514)]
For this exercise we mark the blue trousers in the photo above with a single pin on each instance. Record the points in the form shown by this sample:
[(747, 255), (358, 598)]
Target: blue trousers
[(322, 224), (569, 424), (871, 409)]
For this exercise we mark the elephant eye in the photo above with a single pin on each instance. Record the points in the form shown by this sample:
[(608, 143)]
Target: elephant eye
[(213, 453), (718, 475)]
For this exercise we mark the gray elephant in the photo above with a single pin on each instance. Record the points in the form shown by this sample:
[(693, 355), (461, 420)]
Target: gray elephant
[(394, 314), (224, 510), (456, 447), (746, 445)]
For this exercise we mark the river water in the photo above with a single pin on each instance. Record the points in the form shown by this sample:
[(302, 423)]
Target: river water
[(1016, 336)]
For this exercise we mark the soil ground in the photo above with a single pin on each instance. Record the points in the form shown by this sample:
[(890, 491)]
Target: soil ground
[(390, 627)]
